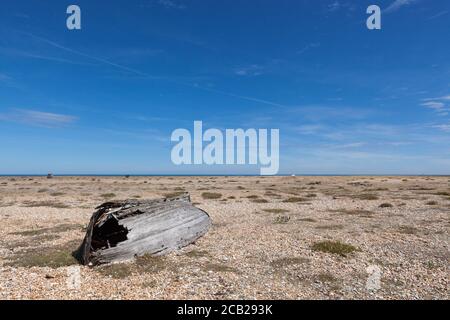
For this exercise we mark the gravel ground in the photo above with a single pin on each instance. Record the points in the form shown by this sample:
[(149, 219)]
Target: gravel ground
[(272, 238)]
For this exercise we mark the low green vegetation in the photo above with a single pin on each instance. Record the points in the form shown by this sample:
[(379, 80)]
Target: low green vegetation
[(142, 264), (116, 270), (307, 219), (365, 196), (288, 261), (50, 204), (174, 194), (259, 201), (55, 229), (334, 247), (211, 195), (355, 212), (330, 227), (57, 194), (53, 257), (276, 210), (294, 199)]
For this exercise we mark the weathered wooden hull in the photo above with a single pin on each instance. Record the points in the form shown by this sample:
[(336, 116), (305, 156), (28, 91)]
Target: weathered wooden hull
[(121, 230)]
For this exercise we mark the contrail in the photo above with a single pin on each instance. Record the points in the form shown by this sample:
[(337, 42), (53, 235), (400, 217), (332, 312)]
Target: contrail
[(146, 75)]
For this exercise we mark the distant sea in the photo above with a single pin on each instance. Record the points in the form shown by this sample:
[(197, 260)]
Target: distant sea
[(226, 175)]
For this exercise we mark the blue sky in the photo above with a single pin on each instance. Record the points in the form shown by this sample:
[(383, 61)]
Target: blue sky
[(105, 99)]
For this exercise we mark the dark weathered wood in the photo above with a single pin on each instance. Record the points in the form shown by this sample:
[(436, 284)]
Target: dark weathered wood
[(121, 230)]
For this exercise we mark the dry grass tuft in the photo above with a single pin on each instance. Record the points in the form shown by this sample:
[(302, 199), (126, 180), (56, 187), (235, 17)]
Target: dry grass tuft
[(173, 194), (355, 212), (218, 267), (330, 227), (385, 205), (281, 220), (307, 219), (276, 210), (50, 204), (259, 201), (365, 196), (294, 200), (408, 230), (325, 277), (197, 254)]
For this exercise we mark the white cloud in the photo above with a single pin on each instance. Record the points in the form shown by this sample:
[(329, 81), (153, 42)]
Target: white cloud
[(446, 98), (439, 14), (349, 145), (252, 70), (443, 127), (337, 5), (439, 105), (171, 4), (334, 6), (434, 105), (38, 118), (397, 4)]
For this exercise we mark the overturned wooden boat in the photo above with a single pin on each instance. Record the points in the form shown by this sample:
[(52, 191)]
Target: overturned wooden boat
[(121, 230)]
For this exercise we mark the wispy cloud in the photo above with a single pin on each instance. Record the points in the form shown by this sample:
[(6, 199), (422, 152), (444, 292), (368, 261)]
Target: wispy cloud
[(437, 15), (31, 55), (443, 127), (434, 105), (337, 5), (397, 4), (252, 70), (85, 55), (308, 47), (440, 105), (169, 4), (38, 118), (149, 76), (334, 6)]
